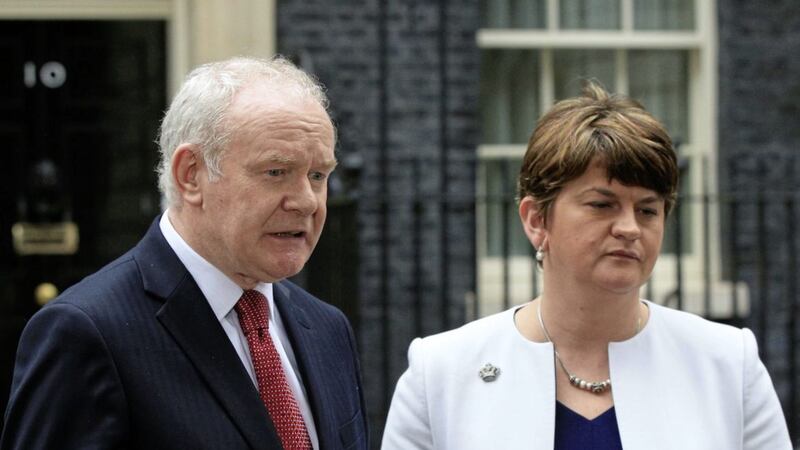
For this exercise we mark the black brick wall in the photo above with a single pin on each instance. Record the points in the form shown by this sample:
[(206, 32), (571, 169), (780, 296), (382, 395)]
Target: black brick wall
[(759, 143), (402, 77)]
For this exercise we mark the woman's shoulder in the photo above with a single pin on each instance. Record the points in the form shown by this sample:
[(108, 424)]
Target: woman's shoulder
[(486, 329), (489, 337), (699, 332), (455, 361)]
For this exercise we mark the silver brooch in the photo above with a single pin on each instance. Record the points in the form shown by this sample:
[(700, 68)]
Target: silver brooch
[(489, 373)]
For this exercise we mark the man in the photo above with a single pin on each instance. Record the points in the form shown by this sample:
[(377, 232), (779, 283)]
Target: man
[(192, 339)]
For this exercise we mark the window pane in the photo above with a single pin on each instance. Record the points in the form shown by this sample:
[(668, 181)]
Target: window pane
[(509, 95), (660, 80), (590, 14), (513, 13), (502, 218), (663, 14), (682, 212), (573, 67)]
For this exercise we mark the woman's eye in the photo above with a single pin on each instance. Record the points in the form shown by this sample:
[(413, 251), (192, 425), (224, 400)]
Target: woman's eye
[(600, 205), (649, 212)]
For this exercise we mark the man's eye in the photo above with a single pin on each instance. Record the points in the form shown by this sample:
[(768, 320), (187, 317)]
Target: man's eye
[(275, 172), (317, 176)]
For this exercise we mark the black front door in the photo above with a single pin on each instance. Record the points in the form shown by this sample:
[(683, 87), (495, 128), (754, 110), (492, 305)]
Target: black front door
[(80, 103)]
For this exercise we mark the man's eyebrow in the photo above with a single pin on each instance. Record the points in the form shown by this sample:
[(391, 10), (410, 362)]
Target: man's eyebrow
[(279, 157), (329, 164), (282, 158)]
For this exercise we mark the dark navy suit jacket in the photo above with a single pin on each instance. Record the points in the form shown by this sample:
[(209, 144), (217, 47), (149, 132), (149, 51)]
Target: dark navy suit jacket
[(133, 357)]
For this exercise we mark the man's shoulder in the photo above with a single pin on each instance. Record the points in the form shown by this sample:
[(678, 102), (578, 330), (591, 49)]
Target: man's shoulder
[(114, 282), (298, 304), (121, 278), (300, 297)]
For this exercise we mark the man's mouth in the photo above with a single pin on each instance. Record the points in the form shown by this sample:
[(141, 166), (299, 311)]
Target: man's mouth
[(289, 234)]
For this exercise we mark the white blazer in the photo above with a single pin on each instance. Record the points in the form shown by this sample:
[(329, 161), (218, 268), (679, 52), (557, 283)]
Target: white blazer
[(681, 383)]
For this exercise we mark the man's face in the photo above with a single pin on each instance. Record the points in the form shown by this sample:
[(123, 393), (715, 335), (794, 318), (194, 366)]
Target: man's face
[(262, 218)]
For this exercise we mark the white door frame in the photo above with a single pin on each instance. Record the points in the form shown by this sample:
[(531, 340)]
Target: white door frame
[(198, 31)]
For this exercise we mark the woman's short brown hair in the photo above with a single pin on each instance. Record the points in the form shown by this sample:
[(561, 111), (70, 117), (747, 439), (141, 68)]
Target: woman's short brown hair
[(613, 130)]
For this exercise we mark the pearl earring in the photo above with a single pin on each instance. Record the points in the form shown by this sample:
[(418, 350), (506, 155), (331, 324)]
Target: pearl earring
[(539, 255)]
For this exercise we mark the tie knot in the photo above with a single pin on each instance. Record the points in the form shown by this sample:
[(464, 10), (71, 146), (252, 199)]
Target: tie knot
[(253, 311)]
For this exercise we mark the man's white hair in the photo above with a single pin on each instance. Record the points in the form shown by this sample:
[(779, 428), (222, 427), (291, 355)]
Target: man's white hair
[(198, 113)]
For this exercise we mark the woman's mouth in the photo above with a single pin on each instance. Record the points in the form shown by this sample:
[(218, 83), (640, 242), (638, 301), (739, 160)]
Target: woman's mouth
[(625, 254)]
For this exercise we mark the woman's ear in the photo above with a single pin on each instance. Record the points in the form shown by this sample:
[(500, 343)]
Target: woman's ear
[(532, 222), (186, 167)]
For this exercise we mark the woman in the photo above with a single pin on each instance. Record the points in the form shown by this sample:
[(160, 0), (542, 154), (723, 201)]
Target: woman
[(588, 364)]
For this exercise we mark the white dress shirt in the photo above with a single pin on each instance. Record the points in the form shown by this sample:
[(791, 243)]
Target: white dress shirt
[(222, 294)]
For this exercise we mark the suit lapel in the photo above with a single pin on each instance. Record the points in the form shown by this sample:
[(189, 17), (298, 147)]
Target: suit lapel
[(307, 352), (190, 320)]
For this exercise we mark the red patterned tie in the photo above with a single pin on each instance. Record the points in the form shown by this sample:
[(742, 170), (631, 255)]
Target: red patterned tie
[(272, 385)]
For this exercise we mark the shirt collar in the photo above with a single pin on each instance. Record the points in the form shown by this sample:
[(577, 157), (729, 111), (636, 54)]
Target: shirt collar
[(219, 290)]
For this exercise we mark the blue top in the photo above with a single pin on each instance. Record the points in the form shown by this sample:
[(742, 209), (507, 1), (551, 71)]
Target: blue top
[(575, 432)]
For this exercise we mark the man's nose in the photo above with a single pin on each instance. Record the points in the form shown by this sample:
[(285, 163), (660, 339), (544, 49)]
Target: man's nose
[(302, 199)]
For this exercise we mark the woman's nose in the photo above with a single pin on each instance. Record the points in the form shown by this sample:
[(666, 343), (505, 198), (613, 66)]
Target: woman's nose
[(626, 226)]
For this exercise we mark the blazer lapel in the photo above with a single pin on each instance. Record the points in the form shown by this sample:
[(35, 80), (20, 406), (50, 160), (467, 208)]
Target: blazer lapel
[(190, 320), (307, 353), (526, 389)]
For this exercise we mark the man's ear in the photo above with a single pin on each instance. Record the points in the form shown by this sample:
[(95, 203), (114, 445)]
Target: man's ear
[(533, 222), (187, 166)]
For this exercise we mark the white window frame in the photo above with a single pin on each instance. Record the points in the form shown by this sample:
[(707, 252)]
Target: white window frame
[(701, 43)]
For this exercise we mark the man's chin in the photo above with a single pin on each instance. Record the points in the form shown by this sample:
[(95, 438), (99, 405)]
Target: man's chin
[(275, 274)]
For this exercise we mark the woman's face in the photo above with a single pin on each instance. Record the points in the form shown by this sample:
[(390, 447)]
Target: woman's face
[(602, 234)]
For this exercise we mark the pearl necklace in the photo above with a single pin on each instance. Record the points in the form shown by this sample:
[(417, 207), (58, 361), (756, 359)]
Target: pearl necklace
[(595, 387)]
